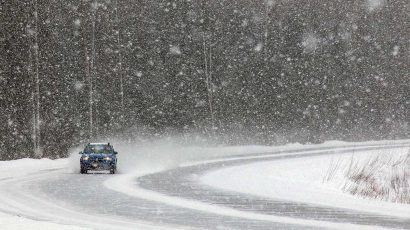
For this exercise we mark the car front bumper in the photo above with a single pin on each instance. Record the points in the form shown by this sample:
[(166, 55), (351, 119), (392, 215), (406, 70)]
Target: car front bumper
[(97, 165)]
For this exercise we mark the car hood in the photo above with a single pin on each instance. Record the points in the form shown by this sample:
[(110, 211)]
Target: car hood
[(99, 155)]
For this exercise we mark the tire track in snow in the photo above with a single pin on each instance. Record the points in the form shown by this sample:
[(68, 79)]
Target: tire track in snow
[(179, 183), (84, 200)]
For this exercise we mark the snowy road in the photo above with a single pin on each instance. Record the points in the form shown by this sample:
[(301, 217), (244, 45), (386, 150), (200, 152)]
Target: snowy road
[(175, 199)]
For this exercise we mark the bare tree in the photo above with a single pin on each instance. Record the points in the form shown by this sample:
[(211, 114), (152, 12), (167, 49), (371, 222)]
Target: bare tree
[(268, 6), (208, 77), (29, 32), (119, 64), (207, 53), (84, 8), (94, 8), (37, 131)]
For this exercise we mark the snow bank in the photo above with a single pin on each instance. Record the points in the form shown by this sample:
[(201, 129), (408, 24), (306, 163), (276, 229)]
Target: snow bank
[(171, 152), (166, 154), (384, 176), (302, 180), (20, 168), (26, 166), (9, 222), (268, 178)]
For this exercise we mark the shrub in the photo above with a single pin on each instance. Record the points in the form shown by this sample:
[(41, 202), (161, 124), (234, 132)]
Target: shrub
[(383, 177)]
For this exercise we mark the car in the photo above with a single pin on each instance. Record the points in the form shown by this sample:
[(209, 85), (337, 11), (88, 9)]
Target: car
[(98, 156)]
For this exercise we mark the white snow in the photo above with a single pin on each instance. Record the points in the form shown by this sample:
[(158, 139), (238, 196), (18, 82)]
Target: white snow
[(242, 179), (310, 42), (78, 85), (258, 47), (175, 50), (12, 222), (99, 143), (302, 180), (19, 208), (26, 166), (374, 4), (395, 50), (270, 2), (77, 23), (126, 184), (21, 168), (382, 176)]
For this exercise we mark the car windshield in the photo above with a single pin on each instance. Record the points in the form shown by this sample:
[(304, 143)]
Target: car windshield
[(98, 149)]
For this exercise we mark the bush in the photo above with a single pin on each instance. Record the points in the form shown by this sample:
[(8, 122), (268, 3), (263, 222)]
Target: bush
[(383, 177)]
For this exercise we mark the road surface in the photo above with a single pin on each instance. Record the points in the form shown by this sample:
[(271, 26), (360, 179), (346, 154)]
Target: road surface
[(179, 201)]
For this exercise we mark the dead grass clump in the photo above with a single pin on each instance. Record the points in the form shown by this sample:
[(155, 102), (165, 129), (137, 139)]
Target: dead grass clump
[(382, 177)]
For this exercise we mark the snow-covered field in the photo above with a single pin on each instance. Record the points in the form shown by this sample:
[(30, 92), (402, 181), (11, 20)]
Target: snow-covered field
[(305, 180), (299, 179), (385, 176), (10, 218), (13, 222)]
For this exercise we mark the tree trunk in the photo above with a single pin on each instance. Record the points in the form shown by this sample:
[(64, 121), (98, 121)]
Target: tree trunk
[(119, 65), (37, 135), (91, 75)]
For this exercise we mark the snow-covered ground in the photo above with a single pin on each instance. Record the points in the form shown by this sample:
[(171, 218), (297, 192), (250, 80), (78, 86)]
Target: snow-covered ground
[(304, 180), (384, 176), (296, 179), (10, 219), (13, 222)]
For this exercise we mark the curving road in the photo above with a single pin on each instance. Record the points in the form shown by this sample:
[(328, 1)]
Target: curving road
[(84, 200)]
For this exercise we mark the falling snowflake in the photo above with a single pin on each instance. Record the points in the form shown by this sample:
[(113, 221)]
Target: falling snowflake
[(78, 85), (270, 3), (175, 50), (258, 47), (374, 4), (346, 103), (310, 42), (31, 31), (77, 23), (395, 50)]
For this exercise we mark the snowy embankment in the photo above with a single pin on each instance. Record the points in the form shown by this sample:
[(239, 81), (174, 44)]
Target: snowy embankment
[(18, 212), (384, 176), (315, 180), (12, 222), (294, 179), (10, 219)]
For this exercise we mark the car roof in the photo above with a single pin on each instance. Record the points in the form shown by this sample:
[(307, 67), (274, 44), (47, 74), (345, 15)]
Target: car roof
[(99, 143)]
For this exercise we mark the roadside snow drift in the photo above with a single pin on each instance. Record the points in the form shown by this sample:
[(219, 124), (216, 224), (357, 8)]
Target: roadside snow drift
[(303, 180), (299, 179), (10, 170)]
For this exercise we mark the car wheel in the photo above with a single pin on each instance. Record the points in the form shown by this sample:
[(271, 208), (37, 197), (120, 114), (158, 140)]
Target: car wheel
[(112, 171)]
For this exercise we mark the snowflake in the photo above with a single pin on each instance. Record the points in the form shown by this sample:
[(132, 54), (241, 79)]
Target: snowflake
[(78, 85), (175, 50), (374, 4), (77, 22), (395, 50), (258, 47), (310, 42)]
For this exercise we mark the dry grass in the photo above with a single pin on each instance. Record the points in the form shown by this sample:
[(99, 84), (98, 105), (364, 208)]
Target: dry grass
[(382, 177)]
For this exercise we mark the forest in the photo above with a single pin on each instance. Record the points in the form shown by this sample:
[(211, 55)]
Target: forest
[(229, 71)]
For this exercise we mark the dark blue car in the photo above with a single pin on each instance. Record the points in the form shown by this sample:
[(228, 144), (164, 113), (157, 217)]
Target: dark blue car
[(98, 156)]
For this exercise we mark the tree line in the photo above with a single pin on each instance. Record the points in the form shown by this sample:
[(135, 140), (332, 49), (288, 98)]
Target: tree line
[(264, 71)]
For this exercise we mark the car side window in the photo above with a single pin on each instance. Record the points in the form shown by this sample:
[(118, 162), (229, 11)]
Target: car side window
[(107, 149)]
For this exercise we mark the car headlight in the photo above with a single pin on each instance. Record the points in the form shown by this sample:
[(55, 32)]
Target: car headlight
[(86, 158), (107, 158)]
